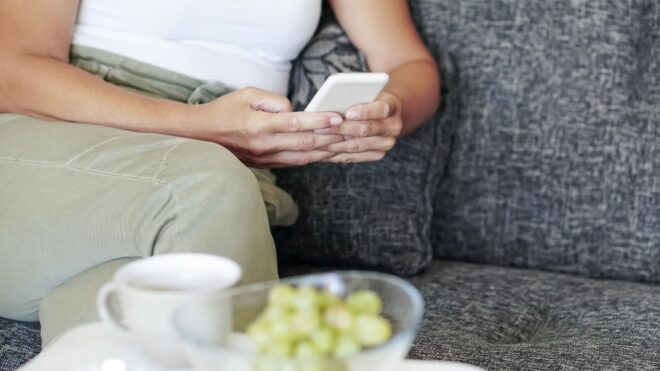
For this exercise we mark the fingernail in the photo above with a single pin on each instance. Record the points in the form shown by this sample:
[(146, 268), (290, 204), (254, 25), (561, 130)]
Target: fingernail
[(336, 120), (322, 131), (352, 115)]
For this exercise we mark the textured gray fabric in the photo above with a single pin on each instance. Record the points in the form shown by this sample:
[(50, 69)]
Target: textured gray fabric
[(374, 215), (555, 160), (19, 342), (501, 319), (518, 319)]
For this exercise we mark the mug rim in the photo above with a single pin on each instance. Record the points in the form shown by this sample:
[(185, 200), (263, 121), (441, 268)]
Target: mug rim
[(231, 273)]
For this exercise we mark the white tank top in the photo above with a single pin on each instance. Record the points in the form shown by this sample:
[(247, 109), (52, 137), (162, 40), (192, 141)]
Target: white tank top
[(238, 42)]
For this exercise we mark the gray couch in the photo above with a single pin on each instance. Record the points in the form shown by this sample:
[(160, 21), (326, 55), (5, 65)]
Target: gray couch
[(527, 211)]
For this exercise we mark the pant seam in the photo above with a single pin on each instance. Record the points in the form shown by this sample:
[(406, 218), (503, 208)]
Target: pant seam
[(79, 168), (97, 145), (152, 180), (165, 157), (34, 162), (155, 181), (173, 192), (177, 208), (62, 164)]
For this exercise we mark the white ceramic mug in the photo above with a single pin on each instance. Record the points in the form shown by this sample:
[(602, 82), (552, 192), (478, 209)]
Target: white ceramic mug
[(143, 294)]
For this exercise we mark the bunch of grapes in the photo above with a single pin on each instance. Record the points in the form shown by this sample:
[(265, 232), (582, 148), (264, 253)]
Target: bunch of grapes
[(307, 323)]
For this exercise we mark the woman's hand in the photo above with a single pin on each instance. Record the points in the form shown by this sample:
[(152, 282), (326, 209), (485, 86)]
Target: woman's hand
[(260, 129), (370, 132)]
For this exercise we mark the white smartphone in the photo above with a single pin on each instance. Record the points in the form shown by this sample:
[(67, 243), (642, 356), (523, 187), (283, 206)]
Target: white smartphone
[(343, 90)]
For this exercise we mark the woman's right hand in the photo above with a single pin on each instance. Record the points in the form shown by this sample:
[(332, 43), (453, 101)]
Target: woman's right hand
[(260, 128)]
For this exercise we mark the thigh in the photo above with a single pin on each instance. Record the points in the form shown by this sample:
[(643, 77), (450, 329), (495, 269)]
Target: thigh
[(72, 196)]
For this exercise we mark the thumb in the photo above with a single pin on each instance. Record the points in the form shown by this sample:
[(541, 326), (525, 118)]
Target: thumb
[(271, 102)]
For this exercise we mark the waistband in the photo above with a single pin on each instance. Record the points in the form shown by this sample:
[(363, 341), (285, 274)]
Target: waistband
[(145, 78)]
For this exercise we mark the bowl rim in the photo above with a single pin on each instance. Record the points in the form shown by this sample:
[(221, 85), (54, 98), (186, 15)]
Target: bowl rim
[(406, 335)]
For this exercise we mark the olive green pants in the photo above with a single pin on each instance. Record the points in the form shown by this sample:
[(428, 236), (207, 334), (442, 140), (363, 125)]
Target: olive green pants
[(78, 201)]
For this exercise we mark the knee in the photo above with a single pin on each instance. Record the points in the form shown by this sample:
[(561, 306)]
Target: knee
[(211, 171), (214, 190), (219, 210)]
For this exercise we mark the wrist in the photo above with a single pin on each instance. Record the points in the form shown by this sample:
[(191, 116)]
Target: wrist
[(183, 119)]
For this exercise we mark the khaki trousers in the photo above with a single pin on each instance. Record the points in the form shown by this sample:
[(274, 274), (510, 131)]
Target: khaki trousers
[(78, 201)]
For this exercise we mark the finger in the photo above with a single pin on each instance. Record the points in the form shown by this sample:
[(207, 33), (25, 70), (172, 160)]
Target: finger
[(358, 129), (356, 158), (377, 110), (268, 102), (290, 158), (302, 121), (360, 145), (301, 141)]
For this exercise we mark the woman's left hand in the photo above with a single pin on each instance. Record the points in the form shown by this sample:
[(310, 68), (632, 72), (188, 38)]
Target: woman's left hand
[(371, 130)]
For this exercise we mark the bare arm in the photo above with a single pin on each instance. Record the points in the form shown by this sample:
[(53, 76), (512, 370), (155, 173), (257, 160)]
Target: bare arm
[(36, 79), (383, 30)]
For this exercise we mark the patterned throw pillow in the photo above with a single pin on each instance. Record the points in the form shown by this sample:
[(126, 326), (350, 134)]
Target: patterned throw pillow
[(374, 215)]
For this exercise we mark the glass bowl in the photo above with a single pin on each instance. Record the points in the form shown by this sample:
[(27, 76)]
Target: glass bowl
[(212, 331)]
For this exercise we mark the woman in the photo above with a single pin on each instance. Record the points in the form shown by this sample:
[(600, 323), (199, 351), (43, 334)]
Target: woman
[(98, 171)]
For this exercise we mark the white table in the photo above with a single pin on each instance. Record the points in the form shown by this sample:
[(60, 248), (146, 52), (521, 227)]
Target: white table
[(103, 348)]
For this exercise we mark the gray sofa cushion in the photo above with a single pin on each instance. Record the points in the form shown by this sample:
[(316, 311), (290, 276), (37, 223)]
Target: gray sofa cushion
[(555, 160), (375, 215), (19, 342), (500, 319), (517, 319)]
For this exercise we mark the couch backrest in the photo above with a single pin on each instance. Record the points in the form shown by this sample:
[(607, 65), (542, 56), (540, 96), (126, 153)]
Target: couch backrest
[(555, 160)]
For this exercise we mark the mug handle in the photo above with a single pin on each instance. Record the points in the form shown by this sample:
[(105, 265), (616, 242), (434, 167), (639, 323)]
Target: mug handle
[(104, 306)]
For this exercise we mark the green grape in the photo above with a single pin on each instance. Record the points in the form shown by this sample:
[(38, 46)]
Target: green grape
[(371, 331), (259, 333), (280, 329), (364, 302), (281, 295), (327, 299), (346, 346), (305, 299), (314, 325), (274, 313), (305, 322), (305, 349), (323, 340), (338, 317), (279, 348)]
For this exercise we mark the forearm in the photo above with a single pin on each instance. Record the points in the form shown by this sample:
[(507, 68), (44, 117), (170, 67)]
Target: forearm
[(417, 84), (46, 87)]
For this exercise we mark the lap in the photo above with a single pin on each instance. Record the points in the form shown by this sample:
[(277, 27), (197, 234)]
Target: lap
[(82, 147), (75, 196)]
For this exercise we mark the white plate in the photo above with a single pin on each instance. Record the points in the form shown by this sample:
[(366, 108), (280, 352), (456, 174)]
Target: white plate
[(98, 347)]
